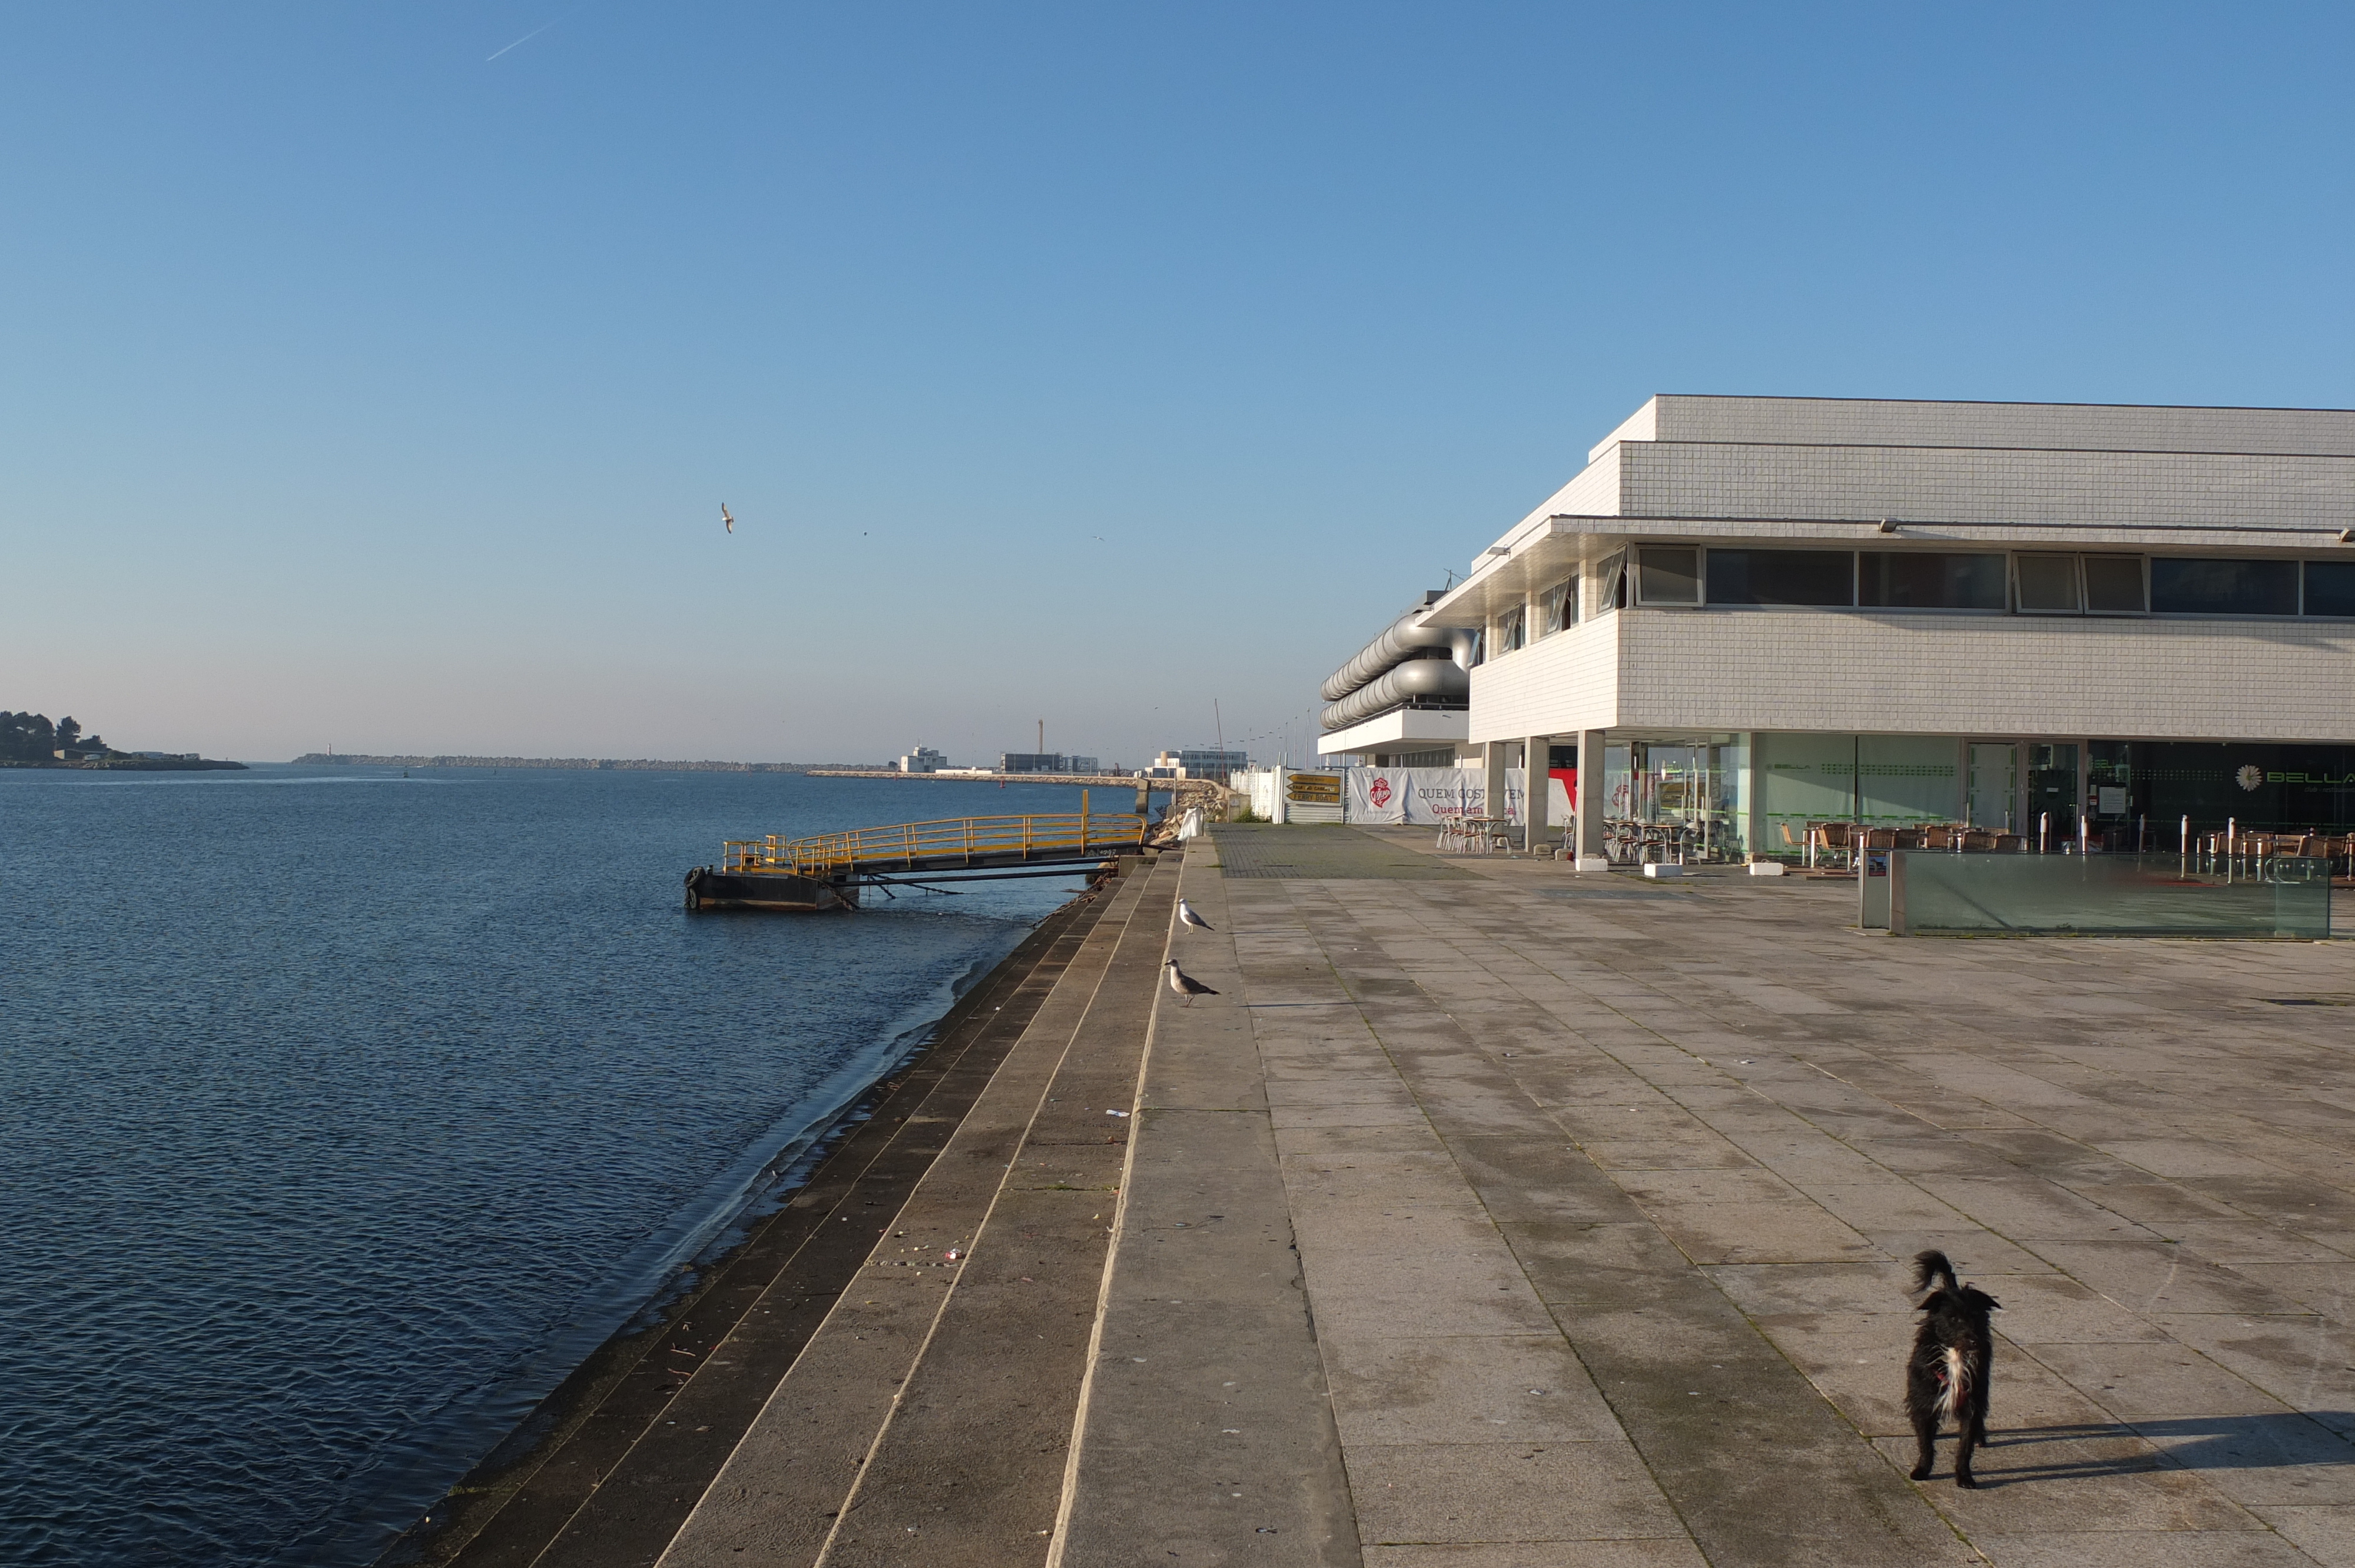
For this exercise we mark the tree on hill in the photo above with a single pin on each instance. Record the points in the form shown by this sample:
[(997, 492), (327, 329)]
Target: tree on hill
[(31, 737), (26, 737)]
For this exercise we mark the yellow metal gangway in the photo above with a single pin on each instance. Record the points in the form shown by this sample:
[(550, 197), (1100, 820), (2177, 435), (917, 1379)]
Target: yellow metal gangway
[(952, 844)]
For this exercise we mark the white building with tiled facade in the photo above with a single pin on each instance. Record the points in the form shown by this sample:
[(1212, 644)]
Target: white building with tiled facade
[(1762, 611)]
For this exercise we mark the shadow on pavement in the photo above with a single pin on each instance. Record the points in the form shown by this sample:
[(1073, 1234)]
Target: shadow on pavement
[(2192, 1443)]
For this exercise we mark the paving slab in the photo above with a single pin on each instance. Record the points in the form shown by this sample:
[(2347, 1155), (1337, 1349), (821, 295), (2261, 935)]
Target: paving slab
[(929, 1416), (1205, 1433), (1709, 1128)]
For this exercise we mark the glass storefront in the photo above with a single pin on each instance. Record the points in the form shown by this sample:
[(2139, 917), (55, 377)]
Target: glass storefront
[(2130, 795), (2145, 791), (1681, 796), (1881, 780), (1724, 797)]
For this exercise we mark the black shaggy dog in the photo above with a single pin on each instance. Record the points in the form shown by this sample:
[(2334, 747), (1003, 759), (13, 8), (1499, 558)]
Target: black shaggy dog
[(1948, 1375)]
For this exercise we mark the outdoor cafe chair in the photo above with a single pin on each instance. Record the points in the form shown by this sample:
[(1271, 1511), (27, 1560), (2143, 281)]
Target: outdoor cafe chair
[(1833, 837)]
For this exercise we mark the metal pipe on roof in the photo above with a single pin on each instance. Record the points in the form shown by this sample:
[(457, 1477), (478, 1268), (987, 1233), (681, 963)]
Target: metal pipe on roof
[(1439, 681), (1405, 638)]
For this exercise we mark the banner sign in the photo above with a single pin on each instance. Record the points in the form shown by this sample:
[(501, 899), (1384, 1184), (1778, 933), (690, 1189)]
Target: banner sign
[(1418, 796)]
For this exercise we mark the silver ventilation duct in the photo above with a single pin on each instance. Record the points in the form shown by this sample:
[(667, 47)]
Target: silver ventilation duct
[(1406, 638), (1434, 681)]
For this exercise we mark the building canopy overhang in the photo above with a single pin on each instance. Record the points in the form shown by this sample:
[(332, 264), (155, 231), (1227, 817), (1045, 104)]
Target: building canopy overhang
[(1400, 729)]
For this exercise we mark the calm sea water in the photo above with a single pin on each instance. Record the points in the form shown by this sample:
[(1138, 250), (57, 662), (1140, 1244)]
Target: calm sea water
[(342, 1114)]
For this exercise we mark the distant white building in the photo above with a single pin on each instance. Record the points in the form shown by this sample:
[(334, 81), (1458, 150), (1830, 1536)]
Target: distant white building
[(1198, 762), (1760, 611), (923, 759)]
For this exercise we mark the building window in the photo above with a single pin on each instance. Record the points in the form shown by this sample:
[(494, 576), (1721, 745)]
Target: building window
[(1511, 628), (2331, 587), (1823, 577), (2223, 585), (1610, 580), (2082, 584), (1921, 579), (2114, 584), (1668, 574), (1557, 608), (2047, 585)]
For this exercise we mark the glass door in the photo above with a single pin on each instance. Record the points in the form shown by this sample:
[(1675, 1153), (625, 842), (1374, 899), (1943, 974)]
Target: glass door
[(1991, 797), (2052, 818)]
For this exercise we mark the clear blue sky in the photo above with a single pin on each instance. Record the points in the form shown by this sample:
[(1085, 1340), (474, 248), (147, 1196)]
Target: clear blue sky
[(1083, 362)]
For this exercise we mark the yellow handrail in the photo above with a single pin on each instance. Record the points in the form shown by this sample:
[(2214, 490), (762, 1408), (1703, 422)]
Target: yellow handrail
[(900, 846)]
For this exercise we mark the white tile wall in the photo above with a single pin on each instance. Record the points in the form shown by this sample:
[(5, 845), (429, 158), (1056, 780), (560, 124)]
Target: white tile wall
[(1832, 421), (1566, 682), (1594, 492), (1975, 485), (1930, 674), (1643, 425)]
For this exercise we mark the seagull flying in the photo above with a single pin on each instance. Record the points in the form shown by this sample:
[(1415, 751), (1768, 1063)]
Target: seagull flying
[(1186, 916), (727, 517), (1184, 985)]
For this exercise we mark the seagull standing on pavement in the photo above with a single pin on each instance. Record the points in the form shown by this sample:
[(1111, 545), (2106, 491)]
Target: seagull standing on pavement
[(1186, 916), (1187, 987)]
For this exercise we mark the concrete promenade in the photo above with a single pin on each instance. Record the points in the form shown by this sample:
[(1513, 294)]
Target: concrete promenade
[(1493, 1216), (1602, 1190)]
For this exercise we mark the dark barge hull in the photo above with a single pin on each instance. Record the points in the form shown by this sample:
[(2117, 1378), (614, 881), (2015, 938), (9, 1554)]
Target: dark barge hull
[(709, 889)]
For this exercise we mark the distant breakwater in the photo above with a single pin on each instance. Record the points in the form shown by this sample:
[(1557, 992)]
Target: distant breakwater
[(131, 764), (622, 765)]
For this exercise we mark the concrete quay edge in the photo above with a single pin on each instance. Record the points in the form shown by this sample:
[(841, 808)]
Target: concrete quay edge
[(1489, 1214), (514, 1506)]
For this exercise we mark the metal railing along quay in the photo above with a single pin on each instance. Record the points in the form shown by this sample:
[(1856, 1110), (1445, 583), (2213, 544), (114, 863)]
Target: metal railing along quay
[(953, 843)]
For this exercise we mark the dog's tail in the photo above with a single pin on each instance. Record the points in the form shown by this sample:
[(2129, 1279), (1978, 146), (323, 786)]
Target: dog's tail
[(1932, 1265)]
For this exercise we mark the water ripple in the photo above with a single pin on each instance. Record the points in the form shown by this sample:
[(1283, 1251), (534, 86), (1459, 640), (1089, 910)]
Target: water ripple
[(337, 1124)]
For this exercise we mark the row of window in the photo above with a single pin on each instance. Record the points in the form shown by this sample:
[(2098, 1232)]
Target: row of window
[(1557, 608), (2027, 582)]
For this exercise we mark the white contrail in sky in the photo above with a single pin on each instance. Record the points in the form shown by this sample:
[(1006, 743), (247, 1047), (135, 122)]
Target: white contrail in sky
[(525, 39)]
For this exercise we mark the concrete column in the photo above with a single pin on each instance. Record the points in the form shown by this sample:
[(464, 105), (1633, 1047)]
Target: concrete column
[(1590, 801), (1494, 780), (1537, 787)]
